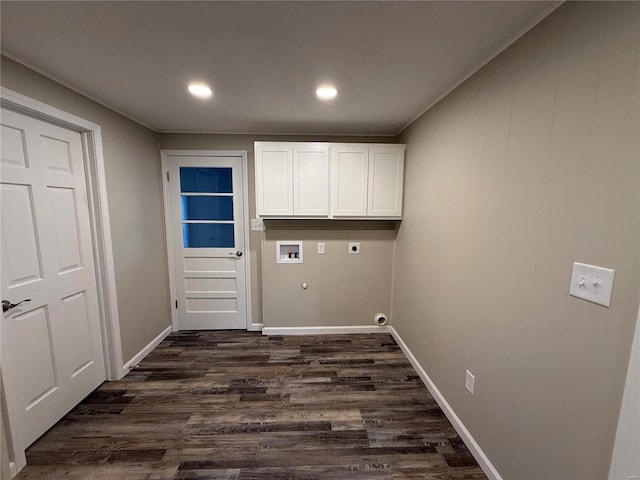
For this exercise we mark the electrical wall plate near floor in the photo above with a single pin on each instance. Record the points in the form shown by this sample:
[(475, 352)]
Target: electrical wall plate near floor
[(591, 283)]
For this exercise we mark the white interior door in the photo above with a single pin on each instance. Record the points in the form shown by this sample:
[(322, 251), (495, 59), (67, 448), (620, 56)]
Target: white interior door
[(52, 352), (207, 229)]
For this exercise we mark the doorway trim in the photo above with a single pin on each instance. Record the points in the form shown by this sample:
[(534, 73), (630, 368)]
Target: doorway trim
[(95, 180), (91, 134), (164, 162)]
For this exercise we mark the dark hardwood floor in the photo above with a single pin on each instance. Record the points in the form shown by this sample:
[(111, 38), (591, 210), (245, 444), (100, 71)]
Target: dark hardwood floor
[(237, 405)]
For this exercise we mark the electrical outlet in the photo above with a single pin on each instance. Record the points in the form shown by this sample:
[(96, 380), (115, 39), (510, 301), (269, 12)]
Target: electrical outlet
[(354, 247), (257, 224), (469, 381), (320, 248)]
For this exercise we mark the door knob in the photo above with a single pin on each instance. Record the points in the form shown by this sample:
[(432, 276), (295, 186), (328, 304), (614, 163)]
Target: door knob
[(7, 305)]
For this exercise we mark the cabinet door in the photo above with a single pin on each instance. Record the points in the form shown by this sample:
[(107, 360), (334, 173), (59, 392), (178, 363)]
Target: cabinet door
[(274, 179), (311, 179), (349, 168), (386, 173)]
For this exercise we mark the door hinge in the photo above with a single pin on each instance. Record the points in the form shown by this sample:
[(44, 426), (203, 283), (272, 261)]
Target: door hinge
[(176, 303), (167, 172)]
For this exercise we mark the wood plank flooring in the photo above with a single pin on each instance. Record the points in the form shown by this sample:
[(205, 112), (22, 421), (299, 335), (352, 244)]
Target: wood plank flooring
[(237, 405)]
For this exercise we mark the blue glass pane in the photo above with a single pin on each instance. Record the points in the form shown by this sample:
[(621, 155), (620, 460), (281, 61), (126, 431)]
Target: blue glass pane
[(204, 235), (205, 180), (207, 208)]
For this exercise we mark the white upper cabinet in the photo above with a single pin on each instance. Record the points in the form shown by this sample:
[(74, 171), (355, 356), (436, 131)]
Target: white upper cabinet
[(311, 179), (292, 179), (349, 170), (329, 180), (367, 180), (386, 173), (274, 178)]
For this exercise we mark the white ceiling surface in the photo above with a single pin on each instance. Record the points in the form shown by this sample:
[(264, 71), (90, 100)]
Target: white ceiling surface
[(389, 60)]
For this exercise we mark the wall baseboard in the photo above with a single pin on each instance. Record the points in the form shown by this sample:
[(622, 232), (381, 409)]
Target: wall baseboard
[(466, 436), (137, 358), (323, 330)]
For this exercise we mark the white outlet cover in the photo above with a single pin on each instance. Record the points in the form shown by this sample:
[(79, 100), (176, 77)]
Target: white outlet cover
[(320, 248), (354, 248), (469, 381), (591, 283), (257, 224)]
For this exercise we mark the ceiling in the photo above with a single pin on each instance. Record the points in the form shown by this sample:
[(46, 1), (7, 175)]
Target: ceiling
[(390, 60)]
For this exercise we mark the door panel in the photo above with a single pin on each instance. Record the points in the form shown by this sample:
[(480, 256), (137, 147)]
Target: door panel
[(196, 285), (207, 226), (56, 154), (19, 236), (212, 305), (209, 264), (39, 364), (52, 353), (63, 205), (13, 147), (75, 314)]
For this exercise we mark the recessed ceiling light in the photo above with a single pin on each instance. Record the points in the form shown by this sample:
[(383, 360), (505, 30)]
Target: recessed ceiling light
[(326, 92), (200, 90)]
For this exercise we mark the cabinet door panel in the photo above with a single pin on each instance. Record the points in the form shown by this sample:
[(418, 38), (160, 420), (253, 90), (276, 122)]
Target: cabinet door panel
[(274, 179), (386, 169), (311, 179), (349, 168)]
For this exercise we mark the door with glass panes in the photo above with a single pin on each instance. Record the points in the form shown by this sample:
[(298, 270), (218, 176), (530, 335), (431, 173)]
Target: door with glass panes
[(207, 230)]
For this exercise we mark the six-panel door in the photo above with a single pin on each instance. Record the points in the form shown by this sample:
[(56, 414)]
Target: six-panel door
[(52, 352)]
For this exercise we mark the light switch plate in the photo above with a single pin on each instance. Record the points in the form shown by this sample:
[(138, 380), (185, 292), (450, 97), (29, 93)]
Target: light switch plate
[(257, 224), (591, 283)]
